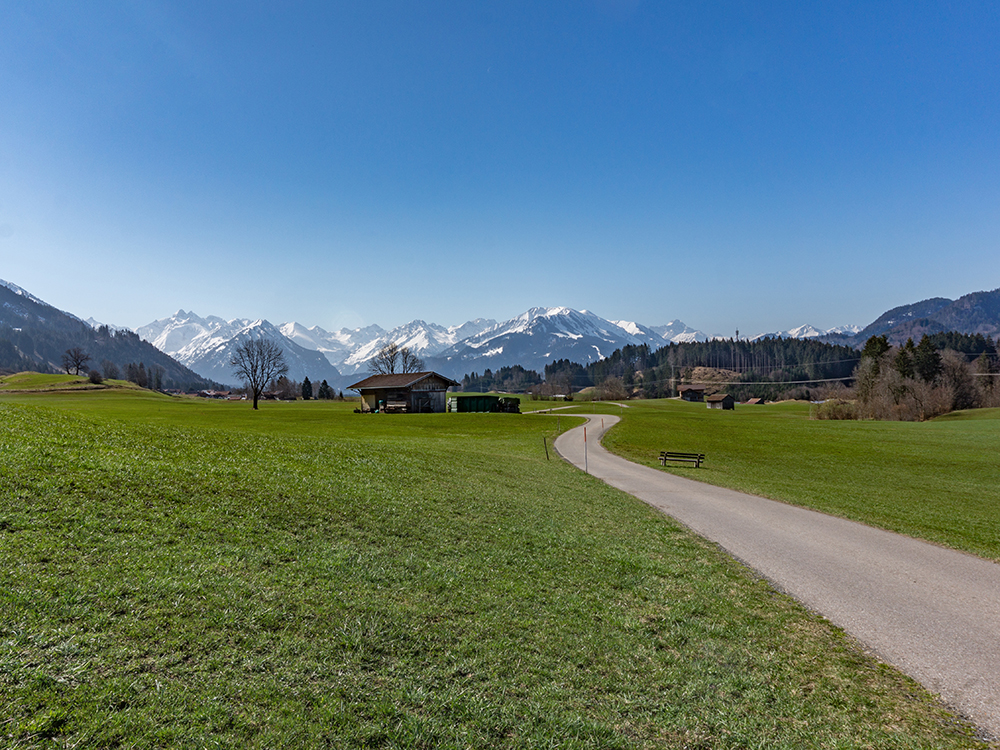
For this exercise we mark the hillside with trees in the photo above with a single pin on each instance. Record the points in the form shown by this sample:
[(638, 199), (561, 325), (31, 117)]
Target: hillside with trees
[(36, 336), (975, 313)]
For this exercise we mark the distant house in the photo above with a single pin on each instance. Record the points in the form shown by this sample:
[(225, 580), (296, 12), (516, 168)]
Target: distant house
[(756, 401), (721, 401), (691, 392), (422, 392)]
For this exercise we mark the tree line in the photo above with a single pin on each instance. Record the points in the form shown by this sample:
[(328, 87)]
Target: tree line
[(767, 368), (945, 372)]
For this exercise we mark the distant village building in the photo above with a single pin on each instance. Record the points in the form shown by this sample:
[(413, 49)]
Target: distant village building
[(756, 401), (691, 392), (721, 401), (420, 392)]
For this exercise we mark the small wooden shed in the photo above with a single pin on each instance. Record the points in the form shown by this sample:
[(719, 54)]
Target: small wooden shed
[(721, 401), (420, 392), (691, 392)]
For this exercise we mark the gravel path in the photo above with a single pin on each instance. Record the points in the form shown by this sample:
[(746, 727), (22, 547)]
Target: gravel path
[(932, 612)]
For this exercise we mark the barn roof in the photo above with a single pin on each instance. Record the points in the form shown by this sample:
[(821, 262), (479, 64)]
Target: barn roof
[(718, 397), (398, 380)]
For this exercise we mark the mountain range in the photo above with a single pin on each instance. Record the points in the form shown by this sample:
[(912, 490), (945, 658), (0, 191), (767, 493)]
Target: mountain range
[(195, 349), (533, 339)]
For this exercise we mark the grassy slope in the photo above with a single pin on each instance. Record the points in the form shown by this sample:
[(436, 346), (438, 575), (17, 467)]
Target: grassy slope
[(181, 573), (43, 382), (40, 381), (934, 480)]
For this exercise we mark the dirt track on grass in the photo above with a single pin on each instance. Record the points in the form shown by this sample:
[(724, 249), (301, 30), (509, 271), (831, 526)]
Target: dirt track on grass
[(930, 611)]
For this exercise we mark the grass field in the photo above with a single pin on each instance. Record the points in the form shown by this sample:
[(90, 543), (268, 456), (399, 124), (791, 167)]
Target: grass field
[(180, 573), (937, 480), (40, 381)]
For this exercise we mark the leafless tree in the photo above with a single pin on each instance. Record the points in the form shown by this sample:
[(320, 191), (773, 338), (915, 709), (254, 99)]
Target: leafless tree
[(257, 362), (393, 358), (385, 361), (409, 361), (75, 359), (110, 369)]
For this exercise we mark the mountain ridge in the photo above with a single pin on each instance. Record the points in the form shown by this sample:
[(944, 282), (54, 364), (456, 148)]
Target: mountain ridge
[(532, 339), (34, 335)]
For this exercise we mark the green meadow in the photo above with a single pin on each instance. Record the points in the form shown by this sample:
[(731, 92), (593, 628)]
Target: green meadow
[(936, 480), (181, 573)]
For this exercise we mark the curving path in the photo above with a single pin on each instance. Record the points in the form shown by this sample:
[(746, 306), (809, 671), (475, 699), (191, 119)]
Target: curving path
[(932, 612)]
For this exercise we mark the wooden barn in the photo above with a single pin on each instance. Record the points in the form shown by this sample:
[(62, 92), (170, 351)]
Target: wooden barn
[(721, 401), (691, 392), (411, 392)]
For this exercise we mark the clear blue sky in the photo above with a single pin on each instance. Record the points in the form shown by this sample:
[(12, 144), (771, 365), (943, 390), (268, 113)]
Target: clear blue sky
[(751, 165)]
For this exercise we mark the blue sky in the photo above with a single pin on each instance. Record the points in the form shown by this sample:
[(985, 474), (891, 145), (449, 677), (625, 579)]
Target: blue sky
[(735, 165)]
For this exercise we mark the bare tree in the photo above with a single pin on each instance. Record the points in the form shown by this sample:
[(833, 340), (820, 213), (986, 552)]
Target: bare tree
[(75, 359), (385, 361), (257, 362), (110, 369), (409, 361), (393, 358)]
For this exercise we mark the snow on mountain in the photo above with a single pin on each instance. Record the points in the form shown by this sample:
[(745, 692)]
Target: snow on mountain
[(32, 298), (533, 339), (472, 328), (335, 346), (206, 345), (803, 332), (426, 340), (540, 335), (184, 335), (848, 330), (674, 332), (807, 332), (95, 324), (24, 293)]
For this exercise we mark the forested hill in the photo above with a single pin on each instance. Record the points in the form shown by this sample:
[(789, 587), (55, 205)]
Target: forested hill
[(975, 313), (35, 335)]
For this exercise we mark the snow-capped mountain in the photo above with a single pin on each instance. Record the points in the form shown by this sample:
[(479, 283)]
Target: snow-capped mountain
[(206, 345), (541, 335), (31, 298), (27, 295), (426, 340), (350, 350), (843, 331), (336, 346), (808, 332), (673, 332), (532, 340)]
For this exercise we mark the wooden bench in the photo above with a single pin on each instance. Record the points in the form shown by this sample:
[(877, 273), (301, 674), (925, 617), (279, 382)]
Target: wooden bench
[(694, 458)]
